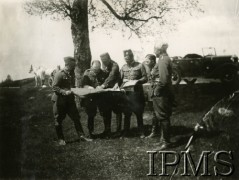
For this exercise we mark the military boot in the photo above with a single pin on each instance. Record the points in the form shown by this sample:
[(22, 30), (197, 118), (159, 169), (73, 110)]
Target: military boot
[(82, 137), (126, 127), (107, 132), (118, 125), (91, 126), (154, 131), (118, 122), (164, 139)]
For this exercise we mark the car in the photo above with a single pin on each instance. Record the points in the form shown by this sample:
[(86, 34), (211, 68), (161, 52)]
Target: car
[(209, 66)]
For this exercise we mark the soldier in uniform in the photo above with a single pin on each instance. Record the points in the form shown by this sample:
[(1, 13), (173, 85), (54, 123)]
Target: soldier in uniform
[(111, 68), (149, 63), (93, 78), (162, 94), (64, 100), (152, 73), (135, 71)]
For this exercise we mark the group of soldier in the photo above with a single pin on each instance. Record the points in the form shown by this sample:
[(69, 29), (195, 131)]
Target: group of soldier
[(106, 74)]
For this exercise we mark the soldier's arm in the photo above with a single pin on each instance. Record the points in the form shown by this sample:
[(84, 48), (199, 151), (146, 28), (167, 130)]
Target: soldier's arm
[(113, 77), (163, 73), (121, 77), (56, 86), (144, 78)]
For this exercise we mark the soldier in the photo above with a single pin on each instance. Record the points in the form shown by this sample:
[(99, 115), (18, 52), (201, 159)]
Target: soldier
[(135, 71), (150, 62), (111, 68), (162, 94), (64, 100), (93, 78)]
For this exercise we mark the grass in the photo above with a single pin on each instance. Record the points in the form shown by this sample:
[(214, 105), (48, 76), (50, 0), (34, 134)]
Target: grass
[(28, 148)]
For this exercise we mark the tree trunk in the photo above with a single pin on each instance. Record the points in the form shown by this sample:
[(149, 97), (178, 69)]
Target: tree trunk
[(80, 35)]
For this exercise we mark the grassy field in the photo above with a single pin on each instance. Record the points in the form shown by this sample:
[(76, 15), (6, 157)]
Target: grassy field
[(28, 141)]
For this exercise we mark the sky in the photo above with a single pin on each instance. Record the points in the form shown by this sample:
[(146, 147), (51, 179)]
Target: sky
[(28, 40)]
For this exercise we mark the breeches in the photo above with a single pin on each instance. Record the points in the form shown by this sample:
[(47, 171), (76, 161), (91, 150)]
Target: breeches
[(162, 108)]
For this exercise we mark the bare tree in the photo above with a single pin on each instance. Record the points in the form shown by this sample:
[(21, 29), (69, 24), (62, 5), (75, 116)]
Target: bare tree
[(140, 17)]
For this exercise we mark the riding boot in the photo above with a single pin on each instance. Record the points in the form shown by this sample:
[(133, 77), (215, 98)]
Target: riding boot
[(140, 125), (107, 124), (126, 126), (154, 131), (59, 132), (118, 122), (118, 125), (91, 126), (165, 136)]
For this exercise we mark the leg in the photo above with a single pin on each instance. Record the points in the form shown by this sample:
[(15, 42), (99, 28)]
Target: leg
[(91, 125), (163, 110), (119, 121), (140, 123), (43, 82), (107, 122), (74, 115), (138, 109), (59, 115), (90, 109), (40, 81), (155, 128), (127, 118)]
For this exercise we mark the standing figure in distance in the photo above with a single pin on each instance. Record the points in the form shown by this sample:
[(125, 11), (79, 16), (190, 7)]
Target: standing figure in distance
[(64, 100)]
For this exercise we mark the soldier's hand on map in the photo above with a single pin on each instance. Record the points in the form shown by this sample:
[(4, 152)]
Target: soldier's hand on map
[(68, 93)]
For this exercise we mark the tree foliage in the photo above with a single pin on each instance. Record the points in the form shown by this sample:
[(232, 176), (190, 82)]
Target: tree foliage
[(140, 17)]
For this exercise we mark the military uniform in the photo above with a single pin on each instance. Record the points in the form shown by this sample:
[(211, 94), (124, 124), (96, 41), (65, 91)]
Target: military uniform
[(162, 95), (114, 98), (112, 73), (90, 78), (135, 98), (64, 104)]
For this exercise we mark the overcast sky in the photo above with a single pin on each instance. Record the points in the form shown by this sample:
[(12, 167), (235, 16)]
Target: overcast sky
[(26, 40)]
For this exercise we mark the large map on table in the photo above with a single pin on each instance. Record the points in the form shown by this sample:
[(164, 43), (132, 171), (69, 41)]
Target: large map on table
[(86, 91)]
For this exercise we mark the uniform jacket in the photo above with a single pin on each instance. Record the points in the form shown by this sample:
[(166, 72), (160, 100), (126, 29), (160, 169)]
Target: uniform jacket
[(135, 71), (112, 73), (163, 70), (90, 78), (63, 81)]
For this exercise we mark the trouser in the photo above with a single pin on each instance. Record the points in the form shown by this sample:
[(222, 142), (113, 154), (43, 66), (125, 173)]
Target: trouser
[(162, 112), (104, 105), (135, 104), (66, 106), (90, 106)]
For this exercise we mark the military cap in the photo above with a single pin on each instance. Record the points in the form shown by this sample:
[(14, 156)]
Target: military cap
[(128, 52), (105, 55), (69, 59)]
